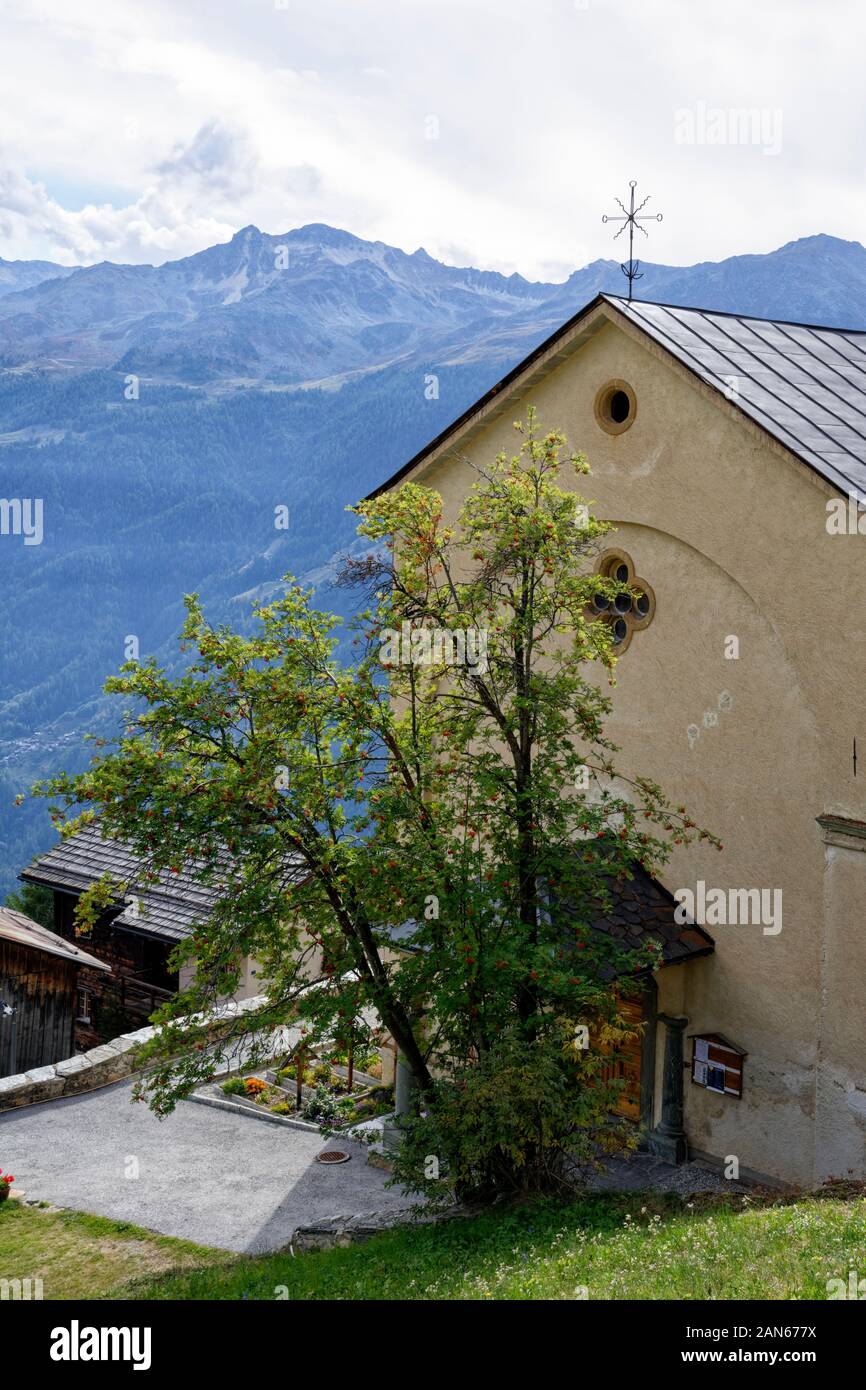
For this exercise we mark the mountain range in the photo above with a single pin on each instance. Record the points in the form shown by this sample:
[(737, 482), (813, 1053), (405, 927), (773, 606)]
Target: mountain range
[(317, 305), (163, 413)]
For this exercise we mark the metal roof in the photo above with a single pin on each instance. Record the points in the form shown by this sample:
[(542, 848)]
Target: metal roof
[(802, 383), (23, 931), (805, 385)]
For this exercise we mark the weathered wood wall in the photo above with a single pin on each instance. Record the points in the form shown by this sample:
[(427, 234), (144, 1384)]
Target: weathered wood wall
[(41, 989), (140, 979)]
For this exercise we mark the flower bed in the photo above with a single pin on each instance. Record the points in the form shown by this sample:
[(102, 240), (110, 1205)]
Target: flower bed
[(325, 1099)]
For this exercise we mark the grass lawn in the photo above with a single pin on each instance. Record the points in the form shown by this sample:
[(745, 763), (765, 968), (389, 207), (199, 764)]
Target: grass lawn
[(81, 1256), (640, 1246), (646, 1246)]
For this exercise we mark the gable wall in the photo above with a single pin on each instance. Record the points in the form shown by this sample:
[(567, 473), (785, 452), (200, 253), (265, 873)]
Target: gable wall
[(731, 535)]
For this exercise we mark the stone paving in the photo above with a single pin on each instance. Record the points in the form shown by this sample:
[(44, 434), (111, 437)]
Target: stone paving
[(203, 1173)]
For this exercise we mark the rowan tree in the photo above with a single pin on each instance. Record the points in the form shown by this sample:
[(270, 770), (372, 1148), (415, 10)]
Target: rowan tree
[(435, 824)]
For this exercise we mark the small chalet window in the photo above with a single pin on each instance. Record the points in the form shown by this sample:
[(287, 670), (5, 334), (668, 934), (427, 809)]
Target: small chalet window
[(82, 1006), (615, 407), (717, 1064)]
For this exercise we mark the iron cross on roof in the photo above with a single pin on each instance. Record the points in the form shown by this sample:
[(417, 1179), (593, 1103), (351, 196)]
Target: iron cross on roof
[(631, 220)]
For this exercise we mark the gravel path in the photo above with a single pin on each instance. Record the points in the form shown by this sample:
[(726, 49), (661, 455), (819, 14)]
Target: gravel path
[(641, 1172), (203, 1174)]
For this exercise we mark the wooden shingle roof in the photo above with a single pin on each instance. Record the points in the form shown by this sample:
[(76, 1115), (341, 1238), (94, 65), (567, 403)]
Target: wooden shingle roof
[(167, 909), (640, 910)]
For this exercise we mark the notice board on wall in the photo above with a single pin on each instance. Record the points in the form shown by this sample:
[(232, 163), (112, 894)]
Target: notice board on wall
[(717, 1064)]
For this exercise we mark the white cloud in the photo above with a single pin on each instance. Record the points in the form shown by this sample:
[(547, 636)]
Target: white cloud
[(179, 124), (150, 230)]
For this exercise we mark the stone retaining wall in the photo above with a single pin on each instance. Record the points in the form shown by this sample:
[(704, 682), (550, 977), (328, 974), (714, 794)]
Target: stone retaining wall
[(341, 1231), (111, 1061)]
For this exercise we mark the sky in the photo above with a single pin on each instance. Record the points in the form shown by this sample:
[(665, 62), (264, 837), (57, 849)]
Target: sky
[(493, 133)]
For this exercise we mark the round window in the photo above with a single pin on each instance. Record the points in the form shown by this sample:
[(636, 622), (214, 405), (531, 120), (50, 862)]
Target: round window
[(620, 405), (615, 407)]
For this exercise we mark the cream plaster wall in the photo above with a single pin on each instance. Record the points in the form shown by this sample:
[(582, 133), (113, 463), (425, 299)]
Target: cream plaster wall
[(248, 985), (252, 980), (730, 532)]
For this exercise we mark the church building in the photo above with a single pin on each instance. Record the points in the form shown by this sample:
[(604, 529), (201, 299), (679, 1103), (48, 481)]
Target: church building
[(730, 454)]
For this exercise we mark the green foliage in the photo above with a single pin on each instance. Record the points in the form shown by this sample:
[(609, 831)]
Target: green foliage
[(526, 1116), (234, 1086), (324, 1108), (82, 1256), (606, 1246), (362, 1060), (379, 1102), (171, 493), (36, 902), (328, 805), (289, 1076)]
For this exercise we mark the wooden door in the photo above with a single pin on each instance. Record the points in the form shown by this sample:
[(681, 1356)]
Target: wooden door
[(627, 1064)]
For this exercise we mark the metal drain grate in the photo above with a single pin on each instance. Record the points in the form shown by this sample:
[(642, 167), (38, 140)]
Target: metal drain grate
[(333, 1156)]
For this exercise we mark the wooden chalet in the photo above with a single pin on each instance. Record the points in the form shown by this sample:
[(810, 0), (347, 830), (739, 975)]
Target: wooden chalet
[(134, 937), (41, 992)]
